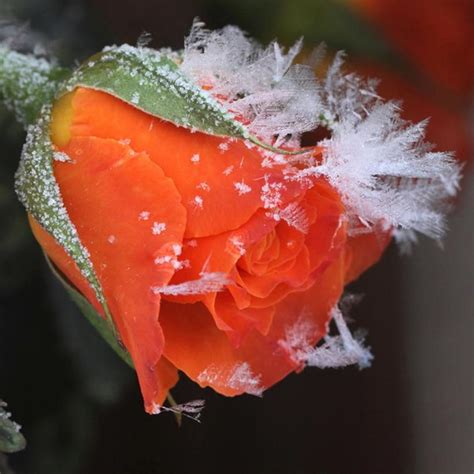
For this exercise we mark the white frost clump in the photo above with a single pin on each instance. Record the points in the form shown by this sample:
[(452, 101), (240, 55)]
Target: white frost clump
[(379, 163), (386, 174), (274, 96), (336, 351)]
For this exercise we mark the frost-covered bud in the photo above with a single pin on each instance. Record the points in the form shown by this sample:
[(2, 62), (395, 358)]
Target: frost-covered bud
[(11, 439), (172, 193)]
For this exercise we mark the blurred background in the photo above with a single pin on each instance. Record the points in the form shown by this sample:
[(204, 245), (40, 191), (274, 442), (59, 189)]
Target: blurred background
[(411, 412)]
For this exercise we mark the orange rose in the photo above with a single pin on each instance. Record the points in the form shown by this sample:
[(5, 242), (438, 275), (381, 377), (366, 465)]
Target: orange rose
[(157, 205), (155, 187)]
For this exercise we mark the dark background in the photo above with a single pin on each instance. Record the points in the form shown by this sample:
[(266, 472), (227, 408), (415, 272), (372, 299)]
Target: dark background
[(80, 407)]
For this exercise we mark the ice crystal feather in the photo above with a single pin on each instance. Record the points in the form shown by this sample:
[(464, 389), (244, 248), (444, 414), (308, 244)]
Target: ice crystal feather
[(261, 85), (378, 162), (335, 351), (385, 173)]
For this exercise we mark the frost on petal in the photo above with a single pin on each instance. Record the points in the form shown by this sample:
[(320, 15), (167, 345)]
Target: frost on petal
[(238, 377), (158, 227), (143, 216), (295, 216), (208, 283), (242, 188), (62, 157), (341, 350), (335, 351)]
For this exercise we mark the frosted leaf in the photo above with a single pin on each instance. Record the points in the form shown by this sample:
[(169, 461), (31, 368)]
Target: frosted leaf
[(39, 192), (212, 282), (11, 440), (237, 377), (27, 82), (152, 81), (135, 98)]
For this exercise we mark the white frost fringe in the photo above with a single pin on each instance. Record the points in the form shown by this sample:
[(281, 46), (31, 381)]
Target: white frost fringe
[(260, 84), (190, 409), (336, 351), (387, 177)]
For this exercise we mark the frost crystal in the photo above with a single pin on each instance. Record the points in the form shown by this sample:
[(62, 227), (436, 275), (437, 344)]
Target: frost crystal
[(144, 216), (208, 283), (242, 188), (295, 216), (336, 351), (259, 84), (237, 243), (158, 228), (238, 377), (198, 201), (62, 157), (385, 173)]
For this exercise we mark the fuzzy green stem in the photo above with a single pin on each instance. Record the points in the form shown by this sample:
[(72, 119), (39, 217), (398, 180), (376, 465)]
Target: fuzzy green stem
[(27, 83)]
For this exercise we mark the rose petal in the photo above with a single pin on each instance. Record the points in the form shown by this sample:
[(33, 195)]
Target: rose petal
[(220, 181), (195, 346), (116, 198)]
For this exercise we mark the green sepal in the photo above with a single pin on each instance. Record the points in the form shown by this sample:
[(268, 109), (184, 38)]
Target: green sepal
[(151, 81), (11, 440), (39, 192), (99, 323), (27, 83)]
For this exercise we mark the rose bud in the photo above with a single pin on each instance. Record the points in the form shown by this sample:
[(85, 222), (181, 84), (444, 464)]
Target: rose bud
[(173, 196)]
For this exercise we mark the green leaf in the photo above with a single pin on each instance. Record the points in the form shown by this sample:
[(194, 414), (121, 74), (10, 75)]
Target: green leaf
[(11, 440), (151, 81), (27, 83), (99, 323), (39, 192)]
